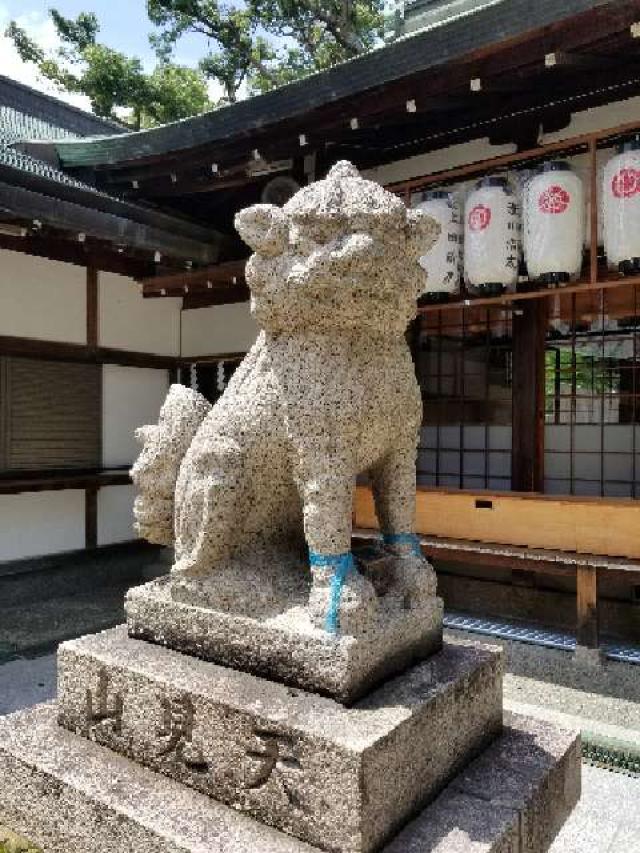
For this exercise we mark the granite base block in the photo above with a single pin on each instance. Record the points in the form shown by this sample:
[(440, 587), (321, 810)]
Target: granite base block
[(70, 795), (283, 644), (342, 778)]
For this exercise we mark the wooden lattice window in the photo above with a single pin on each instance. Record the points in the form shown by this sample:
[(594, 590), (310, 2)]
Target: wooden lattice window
[(50, 415), (464, 366)]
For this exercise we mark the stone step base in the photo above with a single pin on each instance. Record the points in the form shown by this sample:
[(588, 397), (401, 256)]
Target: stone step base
[(341, 778), (70, 795)]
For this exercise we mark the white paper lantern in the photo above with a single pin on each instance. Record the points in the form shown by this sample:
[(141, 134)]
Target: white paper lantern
[(442, 262), (621, 209), (491, 238), (554, 224)]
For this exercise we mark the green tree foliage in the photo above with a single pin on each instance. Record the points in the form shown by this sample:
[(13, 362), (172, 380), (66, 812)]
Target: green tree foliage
[(248, 47), (265, 43), (112, 81)]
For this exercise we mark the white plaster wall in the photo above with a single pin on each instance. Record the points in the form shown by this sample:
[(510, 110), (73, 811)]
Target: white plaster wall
[(115, 514), (33, 524), (128, 321), (438, 161), (598, 118), (131, 397), (42, 299), (218, 329)]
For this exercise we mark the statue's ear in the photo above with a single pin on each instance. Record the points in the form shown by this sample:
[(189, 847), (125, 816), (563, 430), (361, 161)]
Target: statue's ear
[(263, 227), (422, 232)]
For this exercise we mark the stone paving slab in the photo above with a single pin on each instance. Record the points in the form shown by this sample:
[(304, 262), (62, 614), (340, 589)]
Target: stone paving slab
[(70, 795), (341, 777), (284, 645), (607, 818)]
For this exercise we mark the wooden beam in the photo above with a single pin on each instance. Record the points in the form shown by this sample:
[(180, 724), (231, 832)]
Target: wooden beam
[(70, 251), (220, 296), (215, 357), (57, 351), (92, 307), (587, 627), (47, 481), (510, 299), (492, 555), (496, 560), (91, 517), (529, 324), (570, 145)]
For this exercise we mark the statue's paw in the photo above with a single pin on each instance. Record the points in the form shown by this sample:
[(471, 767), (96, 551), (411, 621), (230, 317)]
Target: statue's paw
[(358, 605), (414, 580), (351, 610)]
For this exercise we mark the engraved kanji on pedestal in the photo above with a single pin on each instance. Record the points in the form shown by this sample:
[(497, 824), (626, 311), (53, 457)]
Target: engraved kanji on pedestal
[(103, 711), (177, 733), (274, 757)]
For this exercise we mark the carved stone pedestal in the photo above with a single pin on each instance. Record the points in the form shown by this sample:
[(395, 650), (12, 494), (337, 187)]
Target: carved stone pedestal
[(70, 795), (341, 778), (151, 750)]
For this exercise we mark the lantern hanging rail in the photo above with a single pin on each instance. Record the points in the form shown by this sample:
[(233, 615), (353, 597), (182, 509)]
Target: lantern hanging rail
[(593, 275), (510, 300)]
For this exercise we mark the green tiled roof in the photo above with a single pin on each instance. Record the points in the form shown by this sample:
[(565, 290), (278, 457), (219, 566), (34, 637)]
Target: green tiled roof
[(34, 187), (16, 127)]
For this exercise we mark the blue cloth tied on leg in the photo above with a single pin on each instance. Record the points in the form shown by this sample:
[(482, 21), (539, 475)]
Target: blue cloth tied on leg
[(404, 539), (343, 565)]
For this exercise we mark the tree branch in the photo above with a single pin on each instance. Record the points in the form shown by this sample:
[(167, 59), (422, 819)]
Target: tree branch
[(341, 31)]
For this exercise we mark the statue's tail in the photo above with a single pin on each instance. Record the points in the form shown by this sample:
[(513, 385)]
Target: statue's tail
[(156, 470)]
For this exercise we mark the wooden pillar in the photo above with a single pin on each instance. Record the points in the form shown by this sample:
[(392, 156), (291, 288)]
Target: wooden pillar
[(91, 517), (92, 307), (91, 492), (587, 630), (527, 441)]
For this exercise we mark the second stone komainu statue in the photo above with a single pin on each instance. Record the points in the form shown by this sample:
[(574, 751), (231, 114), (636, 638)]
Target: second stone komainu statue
[(327, 392)]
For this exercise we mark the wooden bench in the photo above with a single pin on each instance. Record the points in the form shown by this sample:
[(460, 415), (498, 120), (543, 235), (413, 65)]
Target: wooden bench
[(579, 537)]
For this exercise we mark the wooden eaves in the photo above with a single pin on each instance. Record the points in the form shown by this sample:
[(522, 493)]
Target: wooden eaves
[(73, 214)]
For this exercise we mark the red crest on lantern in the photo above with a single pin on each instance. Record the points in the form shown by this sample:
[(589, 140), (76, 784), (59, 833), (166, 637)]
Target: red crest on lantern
[(554, 199), (479, 217), (626, 183)]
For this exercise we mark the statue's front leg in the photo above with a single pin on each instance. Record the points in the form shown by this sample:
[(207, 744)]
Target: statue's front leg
[(341, 600), (394, 491)]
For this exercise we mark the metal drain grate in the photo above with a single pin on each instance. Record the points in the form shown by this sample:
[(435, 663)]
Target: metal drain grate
[(534, 636)]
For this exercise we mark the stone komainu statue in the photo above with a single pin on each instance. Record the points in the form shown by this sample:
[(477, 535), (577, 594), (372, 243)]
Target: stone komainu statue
[(327, 392)]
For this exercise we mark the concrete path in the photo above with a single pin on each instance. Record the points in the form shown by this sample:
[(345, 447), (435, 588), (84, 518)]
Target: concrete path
[(27, 682)]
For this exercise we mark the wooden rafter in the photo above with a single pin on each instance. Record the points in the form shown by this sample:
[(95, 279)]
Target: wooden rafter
[(219, 279)]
